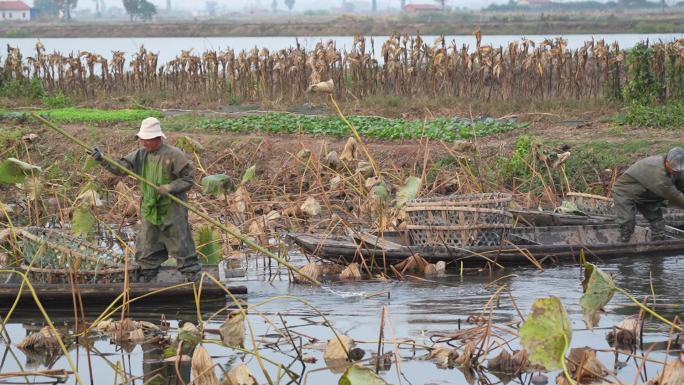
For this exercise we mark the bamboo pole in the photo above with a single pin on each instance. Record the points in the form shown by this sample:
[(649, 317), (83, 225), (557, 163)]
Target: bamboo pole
[(175, 199)]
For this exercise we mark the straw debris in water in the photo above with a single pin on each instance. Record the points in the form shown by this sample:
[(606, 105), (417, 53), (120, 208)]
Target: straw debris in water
[(239, 375), (203, 368), (337, 352), (351, 272), (312, 270), (672, 374), (233, 329), (45, 339)]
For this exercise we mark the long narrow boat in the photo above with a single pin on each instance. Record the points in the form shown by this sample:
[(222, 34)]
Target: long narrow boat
[(672, 217), (44, 256), (168, 287), (524, 246)]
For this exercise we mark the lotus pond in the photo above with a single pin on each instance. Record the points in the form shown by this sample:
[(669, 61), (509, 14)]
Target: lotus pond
[(485, 308)]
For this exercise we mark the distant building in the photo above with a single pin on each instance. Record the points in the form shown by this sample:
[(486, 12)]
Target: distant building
[(534, 3), (422, 8), (14, 10)]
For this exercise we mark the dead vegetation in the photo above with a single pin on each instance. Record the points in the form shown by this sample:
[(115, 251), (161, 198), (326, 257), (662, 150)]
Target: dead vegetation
[(408, 66), (481, 350)]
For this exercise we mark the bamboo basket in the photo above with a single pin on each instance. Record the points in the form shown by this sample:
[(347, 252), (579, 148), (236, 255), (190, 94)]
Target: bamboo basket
[(53, 257), (459, 220), (592, 204)]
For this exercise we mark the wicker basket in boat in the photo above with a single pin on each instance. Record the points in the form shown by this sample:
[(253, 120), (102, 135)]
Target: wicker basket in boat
[(592, 204), (459, 220), (57, 258)]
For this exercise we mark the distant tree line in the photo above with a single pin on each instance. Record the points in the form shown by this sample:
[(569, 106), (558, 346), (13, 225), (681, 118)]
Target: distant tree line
[(136, 9), (139, 9), (55, 8), (581, 5)]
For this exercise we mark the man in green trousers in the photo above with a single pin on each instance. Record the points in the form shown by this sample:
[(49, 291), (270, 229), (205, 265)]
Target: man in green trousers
[(165, 230), (645, 187)]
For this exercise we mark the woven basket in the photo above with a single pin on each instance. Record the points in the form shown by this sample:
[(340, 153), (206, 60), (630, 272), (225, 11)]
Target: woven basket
[(52, 257), (500, 201), (459, 220), (592, 204)]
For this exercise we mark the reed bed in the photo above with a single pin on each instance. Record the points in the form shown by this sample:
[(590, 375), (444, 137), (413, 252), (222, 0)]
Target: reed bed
[(407, 66)]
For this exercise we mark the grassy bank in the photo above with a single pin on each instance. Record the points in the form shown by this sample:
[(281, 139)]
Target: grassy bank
[(82, 115)]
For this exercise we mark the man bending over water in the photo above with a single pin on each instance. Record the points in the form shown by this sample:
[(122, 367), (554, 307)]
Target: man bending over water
[(645, 187)]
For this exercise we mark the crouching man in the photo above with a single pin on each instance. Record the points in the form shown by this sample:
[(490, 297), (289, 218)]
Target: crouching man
[(645, 187)]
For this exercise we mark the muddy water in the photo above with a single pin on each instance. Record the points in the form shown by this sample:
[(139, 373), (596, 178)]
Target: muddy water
[(416, 309)]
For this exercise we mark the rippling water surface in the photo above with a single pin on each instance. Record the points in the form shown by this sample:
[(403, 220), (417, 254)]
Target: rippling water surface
[(417, 309)]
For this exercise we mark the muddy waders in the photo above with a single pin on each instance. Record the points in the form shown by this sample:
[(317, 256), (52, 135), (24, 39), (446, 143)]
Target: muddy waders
[(173, 238), (626, 207), (645, 187), (165, 231)]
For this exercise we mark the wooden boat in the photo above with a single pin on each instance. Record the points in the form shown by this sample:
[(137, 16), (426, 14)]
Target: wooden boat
[(168, 287), (523, 246), (62, 268), (98, 281), (673, 217), (550, 218)]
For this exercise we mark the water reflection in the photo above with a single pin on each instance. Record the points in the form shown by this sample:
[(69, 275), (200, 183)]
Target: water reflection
[(417, 311), (158, 371)]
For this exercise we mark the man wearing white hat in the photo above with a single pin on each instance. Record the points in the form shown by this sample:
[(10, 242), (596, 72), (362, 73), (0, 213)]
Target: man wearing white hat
[(165, 230)]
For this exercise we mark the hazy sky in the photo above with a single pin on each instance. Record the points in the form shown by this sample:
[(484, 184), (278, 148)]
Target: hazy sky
[(300, 5)]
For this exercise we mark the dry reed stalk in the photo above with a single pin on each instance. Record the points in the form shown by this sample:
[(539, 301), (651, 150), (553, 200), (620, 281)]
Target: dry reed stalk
[(381, 336), (395, 343), (57, 374)]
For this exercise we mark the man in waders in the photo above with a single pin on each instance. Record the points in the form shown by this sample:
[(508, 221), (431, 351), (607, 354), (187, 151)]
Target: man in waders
[(645, 187), (165, 230)]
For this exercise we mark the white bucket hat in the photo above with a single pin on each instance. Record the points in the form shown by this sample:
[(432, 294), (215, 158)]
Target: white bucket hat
[(150, 128)]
